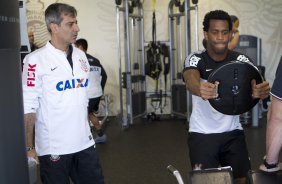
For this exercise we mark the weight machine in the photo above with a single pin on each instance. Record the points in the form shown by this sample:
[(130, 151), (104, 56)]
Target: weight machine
[(179, 22), (158, 62), (251, 46), (132, 67), (132, 70)]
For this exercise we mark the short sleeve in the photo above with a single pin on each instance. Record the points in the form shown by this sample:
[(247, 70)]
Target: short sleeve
[(192, 61)]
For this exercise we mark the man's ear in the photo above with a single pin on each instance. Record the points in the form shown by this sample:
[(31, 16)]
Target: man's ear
[(206, 35), (53, 27)]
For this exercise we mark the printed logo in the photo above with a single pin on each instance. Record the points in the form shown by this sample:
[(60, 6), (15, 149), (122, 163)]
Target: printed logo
[(90, 137), (54, 158), (72, 84), (193, 61), (52, 69), (31, 75), (83, 65), (95, 69), (207, 70), (243, 58)]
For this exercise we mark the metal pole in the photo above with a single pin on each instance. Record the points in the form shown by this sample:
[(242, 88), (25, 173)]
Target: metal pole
[(259, 51), (188, 49), (187, 26), (255, 110), (142, 45), (128, 64), (255, 115), (196, 26), (179, 43), (171, 46), (124, 119)]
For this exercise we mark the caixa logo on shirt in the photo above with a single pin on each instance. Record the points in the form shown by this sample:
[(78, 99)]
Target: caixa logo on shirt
[(71, 84)]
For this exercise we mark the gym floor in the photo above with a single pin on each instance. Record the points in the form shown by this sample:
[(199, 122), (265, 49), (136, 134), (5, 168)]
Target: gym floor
[(140, 154)]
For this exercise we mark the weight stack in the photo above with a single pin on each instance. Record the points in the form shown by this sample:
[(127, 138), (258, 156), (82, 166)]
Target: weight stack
[(179, 98)]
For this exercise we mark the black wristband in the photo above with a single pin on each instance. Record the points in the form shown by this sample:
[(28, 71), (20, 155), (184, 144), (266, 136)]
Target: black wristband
[(269, 166)]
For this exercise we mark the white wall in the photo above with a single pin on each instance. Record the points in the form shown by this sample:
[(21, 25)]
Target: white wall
[(97, 21)]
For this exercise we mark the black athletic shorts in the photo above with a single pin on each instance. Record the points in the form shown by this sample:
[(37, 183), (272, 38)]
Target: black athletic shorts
[(93, 104), (220, 149), (82, 167)]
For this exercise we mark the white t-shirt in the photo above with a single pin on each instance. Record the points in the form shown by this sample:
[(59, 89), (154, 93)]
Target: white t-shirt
[(204, 118), (95, 77)]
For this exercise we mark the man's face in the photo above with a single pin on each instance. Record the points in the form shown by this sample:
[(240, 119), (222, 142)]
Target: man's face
[(217, 36), (68, 30)]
